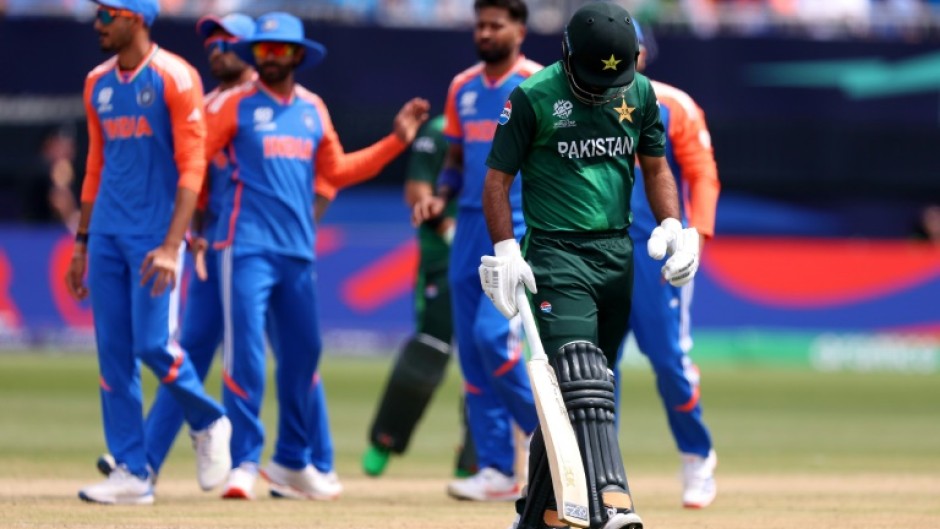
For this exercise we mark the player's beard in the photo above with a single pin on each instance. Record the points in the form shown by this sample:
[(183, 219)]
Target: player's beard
[(495, 54), (273, 73), (226, 72), (114, 42)]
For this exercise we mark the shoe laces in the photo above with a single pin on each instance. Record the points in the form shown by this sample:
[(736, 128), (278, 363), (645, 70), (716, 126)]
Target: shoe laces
[(695, 470), (121, 473), (488, 477), (202, 442)]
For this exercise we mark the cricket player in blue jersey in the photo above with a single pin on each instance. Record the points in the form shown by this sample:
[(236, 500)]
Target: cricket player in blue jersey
[(146, 165), (490, 347), (659, 319), (283, 144)]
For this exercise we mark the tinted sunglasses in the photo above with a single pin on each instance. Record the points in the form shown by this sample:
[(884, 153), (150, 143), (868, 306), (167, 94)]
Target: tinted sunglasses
[(107, 15), (263, 50), (223, 44)]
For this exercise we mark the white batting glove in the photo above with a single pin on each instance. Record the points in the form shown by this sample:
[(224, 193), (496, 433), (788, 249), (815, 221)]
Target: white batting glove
[(682, 245), (500, 274)]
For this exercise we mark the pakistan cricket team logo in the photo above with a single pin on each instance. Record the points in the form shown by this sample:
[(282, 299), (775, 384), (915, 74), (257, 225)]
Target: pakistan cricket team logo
[(561, 111), (624, 112)]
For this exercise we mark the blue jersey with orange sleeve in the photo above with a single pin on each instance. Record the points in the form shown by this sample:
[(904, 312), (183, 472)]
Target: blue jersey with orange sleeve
[(692, 160), (147, 134), (281, 150), (471, 111)]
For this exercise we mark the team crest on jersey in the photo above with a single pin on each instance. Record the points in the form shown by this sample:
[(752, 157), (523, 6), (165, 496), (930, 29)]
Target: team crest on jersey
[(263, 118), (310, 121), (146, 96), (624, 112), (561, 111), (104, 99), (468, 104), (505, 114)]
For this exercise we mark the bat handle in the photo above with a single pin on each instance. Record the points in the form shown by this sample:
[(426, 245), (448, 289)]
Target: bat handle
[(528, 323)]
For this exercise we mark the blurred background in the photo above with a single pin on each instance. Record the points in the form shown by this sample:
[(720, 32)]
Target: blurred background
[(825, 116)]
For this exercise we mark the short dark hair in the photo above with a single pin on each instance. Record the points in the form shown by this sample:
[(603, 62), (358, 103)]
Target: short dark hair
[(518, 11)]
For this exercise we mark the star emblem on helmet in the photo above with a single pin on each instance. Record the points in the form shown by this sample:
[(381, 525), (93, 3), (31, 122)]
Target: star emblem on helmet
[(611, 63), (625, 111)]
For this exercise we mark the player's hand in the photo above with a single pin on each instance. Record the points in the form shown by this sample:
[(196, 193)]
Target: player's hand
[(426, 208), (75, 276), (198, 247), (500, 274), (412, 115), (160, 266), (683, 247)]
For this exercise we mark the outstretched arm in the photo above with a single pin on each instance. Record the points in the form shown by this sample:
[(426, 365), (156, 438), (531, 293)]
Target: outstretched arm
[(342, 169)]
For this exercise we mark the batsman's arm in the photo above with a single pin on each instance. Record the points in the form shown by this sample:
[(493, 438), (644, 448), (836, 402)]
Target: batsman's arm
[(496, 208), (660, 187)]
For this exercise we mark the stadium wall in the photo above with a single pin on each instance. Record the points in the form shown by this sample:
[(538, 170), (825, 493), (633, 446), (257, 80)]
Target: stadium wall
[(824, 303)]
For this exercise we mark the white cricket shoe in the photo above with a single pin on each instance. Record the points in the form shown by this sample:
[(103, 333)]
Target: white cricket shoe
[(121, 488), (488, 484), (241, 482), (306, 484), (698, 480), (213, 458)]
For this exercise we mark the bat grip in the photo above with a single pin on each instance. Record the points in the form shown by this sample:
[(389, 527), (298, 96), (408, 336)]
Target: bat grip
[(528, 323)]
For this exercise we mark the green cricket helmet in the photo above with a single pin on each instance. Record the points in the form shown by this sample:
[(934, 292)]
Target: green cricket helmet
[(600, 50)]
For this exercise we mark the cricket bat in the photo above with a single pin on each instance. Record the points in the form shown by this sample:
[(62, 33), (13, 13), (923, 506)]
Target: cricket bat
[(561, 445)]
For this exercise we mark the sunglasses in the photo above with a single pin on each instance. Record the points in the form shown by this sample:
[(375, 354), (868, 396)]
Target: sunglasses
[(263, 50), (223, 44), (107, 15)]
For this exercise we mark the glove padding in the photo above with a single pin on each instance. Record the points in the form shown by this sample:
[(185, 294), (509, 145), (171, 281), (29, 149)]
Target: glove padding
[(682, 245), (500, 274)]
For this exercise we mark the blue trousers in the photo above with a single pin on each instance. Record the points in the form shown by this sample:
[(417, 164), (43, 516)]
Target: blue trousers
[(200, 336), (131, 325), (489, 349), (266, 291), (659, 321)]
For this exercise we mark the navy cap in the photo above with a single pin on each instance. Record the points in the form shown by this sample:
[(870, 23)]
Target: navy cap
[(602, 45)]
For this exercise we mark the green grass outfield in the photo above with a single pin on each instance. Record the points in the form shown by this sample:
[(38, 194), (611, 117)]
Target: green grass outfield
[(765, 422)]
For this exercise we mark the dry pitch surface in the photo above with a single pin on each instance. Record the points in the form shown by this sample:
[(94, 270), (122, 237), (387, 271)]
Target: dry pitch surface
[(745, 502), (797, 449)]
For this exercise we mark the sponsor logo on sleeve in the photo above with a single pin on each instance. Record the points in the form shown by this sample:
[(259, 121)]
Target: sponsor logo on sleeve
[(505, 114)]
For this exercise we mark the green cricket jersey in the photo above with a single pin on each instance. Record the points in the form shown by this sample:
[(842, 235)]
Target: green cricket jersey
[(427, 157), (576, 159)]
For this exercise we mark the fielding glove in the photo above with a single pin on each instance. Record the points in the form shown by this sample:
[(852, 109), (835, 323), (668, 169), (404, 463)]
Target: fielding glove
[(500, 274), (682, 245)]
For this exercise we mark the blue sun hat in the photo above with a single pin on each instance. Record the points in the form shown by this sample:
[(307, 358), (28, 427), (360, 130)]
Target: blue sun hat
[(147, 9), (236, 24), (281, 27)]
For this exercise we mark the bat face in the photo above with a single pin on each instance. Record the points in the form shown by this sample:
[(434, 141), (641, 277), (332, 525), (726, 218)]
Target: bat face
[(561, 445)]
